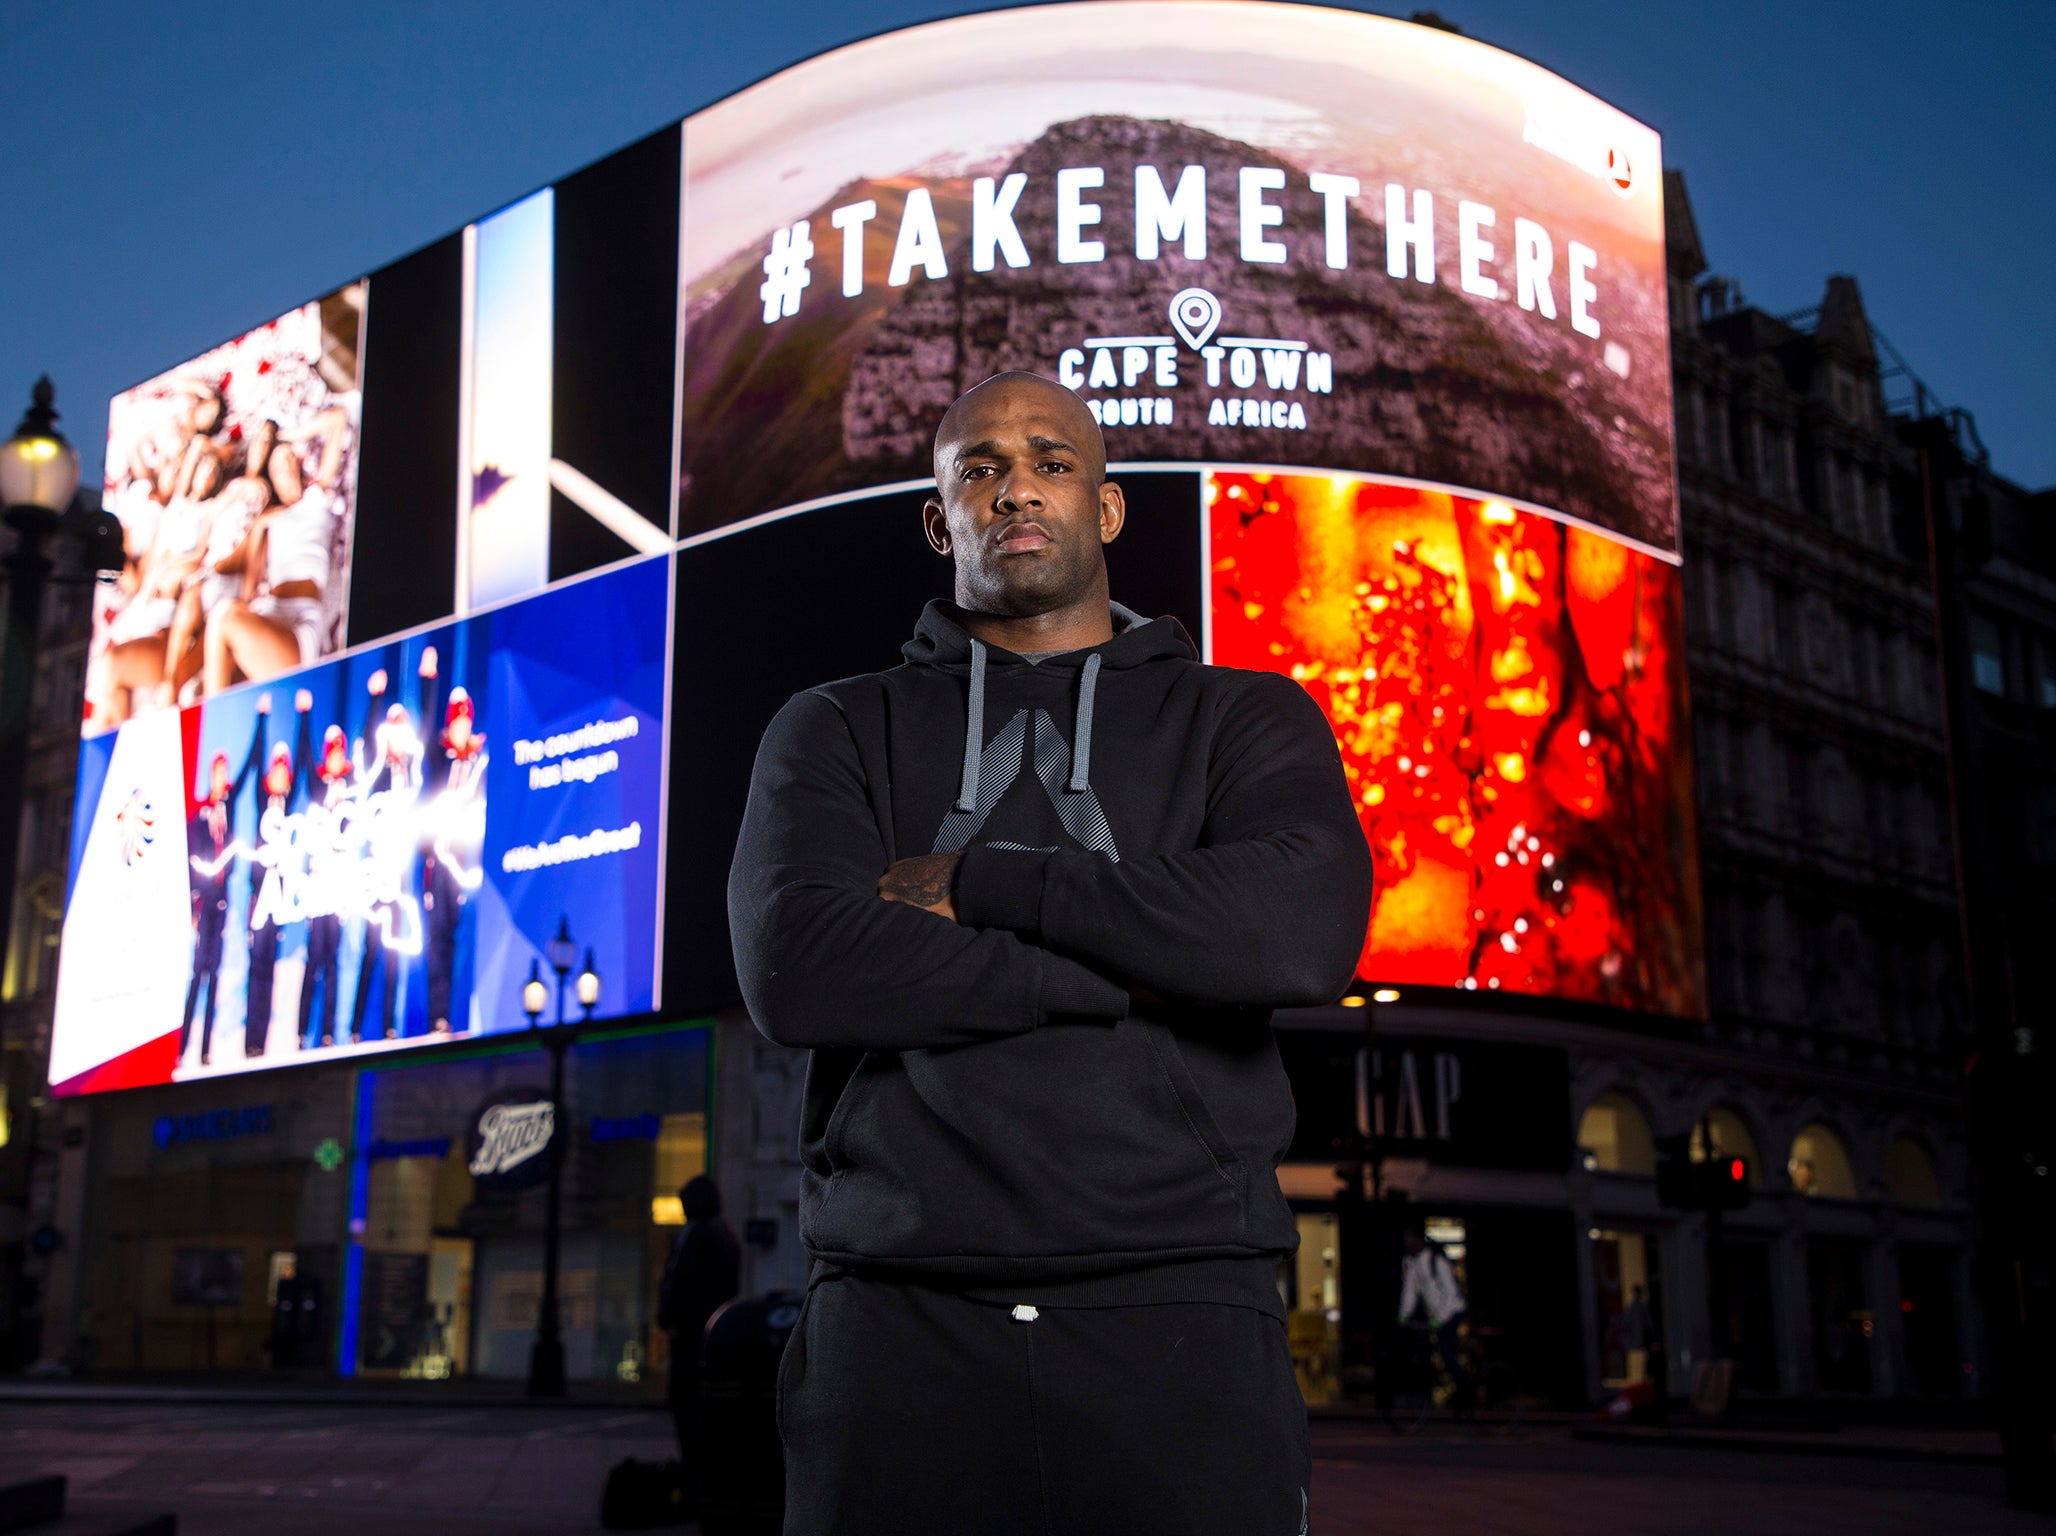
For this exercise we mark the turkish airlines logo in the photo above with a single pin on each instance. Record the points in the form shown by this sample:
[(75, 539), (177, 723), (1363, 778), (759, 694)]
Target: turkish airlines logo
[(510, 1135), (136, 823), (1580, 138), (1620, 172)]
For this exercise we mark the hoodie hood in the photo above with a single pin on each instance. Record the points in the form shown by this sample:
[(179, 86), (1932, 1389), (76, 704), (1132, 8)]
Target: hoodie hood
[(941, 641)]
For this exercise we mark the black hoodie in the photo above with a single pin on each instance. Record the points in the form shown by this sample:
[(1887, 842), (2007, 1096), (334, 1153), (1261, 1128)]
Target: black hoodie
[(1072, 1092)]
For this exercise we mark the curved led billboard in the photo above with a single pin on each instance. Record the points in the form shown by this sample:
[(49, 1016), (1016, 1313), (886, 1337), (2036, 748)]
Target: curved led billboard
[(1244, 233), (1373, 317)]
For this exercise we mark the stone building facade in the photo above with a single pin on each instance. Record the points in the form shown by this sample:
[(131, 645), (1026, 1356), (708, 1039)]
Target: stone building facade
[(34, 1141)]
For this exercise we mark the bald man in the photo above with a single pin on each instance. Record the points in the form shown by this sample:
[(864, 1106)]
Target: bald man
[(1030, 899)]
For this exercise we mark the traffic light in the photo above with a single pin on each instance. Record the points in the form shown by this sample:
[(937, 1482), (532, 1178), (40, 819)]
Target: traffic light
[(1721, 1184), (1724, 1183)]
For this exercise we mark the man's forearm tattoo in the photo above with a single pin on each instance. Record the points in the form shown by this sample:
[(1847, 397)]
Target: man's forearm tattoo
[(924, 881)]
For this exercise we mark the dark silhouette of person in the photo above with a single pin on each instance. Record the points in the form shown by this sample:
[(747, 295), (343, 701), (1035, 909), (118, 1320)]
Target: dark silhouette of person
[(284, 784), (208, 835), (704, 1271)]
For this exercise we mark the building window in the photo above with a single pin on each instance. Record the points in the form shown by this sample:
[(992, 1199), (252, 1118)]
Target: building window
[(1613, 1137), (1910, 1177), (1819, 1165), (1987, 656)]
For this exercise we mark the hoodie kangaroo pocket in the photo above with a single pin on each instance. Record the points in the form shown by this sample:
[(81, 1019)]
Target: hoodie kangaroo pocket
[(1164, 1046), (837, 1132)]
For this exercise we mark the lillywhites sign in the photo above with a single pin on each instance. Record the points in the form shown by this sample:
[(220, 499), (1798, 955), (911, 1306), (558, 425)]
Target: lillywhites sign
[(509, 1136)]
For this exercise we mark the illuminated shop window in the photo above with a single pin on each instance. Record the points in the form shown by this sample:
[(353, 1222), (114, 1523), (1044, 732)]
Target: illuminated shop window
[(1447, 1233), (1731, 1138), (680, 1153), (1819, 1165), (1314, 1316), (1623, 1273), (1613, 1137), (1910, 1177)]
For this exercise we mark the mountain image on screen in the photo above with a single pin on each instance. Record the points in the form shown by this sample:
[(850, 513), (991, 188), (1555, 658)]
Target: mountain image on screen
[(1428, 383)]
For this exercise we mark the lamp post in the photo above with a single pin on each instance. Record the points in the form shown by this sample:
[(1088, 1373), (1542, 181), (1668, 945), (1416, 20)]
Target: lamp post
[(39, 474), (546, 1360)]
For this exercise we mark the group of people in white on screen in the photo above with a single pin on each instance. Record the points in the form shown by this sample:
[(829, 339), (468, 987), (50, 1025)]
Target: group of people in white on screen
[(230, 530)]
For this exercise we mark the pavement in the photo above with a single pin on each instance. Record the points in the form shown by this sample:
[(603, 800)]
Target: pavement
[(395, 1468)]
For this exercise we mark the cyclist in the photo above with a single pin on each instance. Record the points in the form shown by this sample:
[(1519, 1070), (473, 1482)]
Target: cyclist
[(1428, 1285)]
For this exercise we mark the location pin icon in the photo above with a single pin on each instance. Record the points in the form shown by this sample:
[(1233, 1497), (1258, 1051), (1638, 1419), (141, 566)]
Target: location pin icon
[(1195, 314)]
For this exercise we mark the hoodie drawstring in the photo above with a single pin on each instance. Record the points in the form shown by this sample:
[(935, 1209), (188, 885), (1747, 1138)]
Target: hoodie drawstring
[(1081, 736), (974, 730)]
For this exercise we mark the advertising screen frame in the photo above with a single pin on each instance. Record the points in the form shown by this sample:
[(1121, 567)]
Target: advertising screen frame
[(613, 492)]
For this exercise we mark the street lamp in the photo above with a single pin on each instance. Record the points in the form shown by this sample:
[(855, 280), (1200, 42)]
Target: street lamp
[(39, 470), (39, 476), (546, 1360)]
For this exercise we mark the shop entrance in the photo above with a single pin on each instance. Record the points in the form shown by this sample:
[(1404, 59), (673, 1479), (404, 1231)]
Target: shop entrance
[(1842, 1322), (415, 1317), (1927, 1320), (1627, 1284), (1752, 1337), (1313, 1321)]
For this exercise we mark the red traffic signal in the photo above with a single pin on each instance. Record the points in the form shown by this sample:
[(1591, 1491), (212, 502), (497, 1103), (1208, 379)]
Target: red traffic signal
[(1738, 1171)]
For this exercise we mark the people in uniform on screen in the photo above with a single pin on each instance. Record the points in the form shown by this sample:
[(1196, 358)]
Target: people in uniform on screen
[(284, 786), (395, 765), (337, 772), (1030, 899), (453, 777), (210, 835)]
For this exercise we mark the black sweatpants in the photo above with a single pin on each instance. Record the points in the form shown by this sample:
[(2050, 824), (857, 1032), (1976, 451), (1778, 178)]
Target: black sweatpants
[(917, 1412)]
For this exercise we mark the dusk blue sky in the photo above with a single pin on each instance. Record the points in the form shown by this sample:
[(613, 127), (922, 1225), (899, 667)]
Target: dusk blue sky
[(178, 174)]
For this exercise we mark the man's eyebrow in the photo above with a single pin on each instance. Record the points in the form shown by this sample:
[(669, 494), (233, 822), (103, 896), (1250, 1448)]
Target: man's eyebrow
[(992, 448)]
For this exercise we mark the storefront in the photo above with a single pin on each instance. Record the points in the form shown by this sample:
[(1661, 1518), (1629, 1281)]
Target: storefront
[(1845, 1274), (202, 1204), (370, 1221), (1525, 1145), (1468, 1141)]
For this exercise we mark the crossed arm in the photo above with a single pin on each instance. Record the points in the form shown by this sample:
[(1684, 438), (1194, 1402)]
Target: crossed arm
[(1268, 912), (824, 963)]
